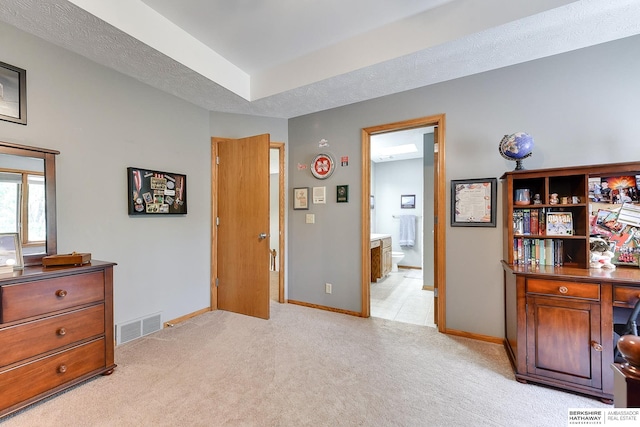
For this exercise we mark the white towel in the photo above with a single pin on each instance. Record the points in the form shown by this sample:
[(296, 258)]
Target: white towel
[(407, 230)]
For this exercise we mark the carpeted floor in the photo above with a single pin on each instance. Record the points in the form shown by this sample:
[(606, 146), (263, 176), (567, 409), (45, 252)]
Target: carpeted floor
[(305, 367)]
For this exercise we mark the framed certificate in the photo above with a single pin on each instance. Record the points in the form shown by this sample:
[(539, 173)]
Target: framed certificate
[(473, 202)]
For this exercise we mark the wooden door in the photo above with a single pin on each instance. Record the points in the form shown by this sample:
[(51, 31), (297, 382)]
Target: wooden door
[(564, 340), (241, 237)]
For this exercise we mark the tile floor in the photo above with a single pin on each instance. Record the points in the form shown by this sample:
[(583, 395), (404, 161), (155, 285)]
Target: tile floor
[(400, 297)]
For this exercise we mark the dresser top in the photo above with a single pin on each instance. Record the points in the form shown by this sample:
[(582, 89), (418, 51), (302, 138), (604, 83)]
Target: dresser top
[(38, 272)]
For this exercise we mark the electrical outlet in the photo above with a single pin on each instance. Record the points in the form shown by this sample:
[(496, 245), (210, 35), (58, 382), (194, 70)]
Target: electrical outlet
[(327, 287)]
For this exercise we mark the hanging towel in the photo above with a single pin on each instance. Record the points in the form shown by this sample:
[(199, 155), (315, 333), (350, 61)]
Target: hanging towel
[(407, 230)]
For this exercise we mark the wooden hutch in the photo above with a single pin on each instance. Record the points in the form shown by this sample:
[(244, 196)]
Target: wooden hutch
[(559, 313)]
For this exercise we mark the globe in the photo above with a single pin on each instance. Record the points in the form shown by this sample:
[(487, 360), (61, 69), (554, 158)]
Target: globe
[(516, 147)]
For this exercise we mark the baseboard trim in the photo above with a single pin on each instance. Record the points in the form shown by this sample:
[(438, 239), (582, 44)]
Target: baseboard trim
[(323, 307), (479, 337), (170, 323)]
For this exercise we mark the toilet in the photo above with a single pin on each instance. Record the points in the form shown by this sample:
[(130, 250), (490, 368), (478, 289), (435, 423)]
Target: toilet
[(396, 257)]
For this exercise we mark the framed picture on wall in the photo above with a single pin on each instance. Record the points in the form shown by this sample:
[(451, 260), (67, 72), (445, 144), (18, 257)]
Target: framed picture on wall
[(473, 202), (301, 198), (408, 201), (13, 94), (342, 194), (154, 192)]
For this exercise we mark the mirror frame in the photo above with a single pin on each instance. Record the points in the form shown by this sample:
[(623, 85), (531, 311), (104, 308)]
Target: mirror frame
[(49, 157)]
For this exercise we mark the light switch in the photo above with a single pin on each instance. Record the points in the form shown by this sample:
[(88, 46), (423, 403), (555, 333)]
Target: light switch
[(311, 218)]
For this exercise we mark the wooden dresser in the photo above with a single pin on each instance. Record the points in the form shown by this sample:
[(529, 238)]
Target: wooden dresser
[(56, 330)]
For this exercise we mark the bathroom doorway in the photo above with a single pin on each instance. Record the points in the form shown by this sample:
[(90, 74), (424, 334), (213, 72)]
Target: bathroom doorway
[(421, 286), (402, 191)]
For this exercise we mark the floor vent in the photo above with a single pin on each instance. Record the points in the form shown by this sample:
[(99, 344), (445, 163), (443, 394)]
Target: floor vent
[(138, 328)]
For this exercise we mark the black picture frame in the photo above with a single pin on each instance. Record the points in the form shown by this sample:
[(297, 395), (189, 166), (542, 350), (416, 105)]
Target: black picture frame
[(342, 194), (408, 201), (473, 202), (152, 192), (13, 94), (301, 198)]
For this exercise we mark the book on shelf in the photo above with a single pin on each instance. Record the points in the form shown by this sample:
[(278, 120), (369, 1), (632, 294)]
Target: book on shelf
[(529, 222), (559, 224), (526, 221), (536, 252)]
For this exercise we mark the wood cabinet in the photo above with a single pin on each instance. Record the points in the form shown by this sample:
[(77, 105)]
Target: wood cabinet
[(559, 313), (381, 261), (56, 330)]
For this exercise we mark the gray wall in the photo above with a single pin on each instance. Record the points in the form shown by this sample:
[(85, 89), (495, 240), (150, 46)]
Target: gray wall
[(102, 122), (581, 108)]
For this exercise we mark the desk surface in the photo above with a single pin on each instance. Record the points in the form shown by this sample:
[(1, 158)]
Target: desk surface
[(627, 275)]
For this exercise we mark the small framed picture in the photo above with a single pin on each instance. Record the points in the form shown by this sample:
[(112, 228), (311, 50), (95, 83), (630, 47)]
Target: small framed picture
[(320, 195), (301, 198), (342, 194), (10, 251), (13, 94), (408, 201)]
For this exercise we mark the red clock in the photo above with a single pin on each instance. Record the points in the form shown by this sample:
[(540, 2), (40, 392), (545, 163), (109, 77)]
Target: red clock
[(322, 166)]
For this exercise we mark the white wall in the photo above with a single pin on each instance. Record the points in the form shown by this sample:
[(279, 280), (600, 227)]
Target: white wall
[(581, 108), (102, 122)]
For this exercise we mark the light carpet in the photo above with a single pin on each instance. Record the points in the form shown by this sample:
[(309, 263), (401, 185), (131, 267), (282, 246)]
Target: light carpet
[(305, 367)]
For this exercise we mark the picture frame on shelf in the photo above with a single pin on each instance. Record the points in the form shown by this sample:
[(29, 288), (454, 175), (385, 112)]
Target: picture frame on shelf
[(13, 94), (10, 252), (301, 198), (559, 224), (473, 202)]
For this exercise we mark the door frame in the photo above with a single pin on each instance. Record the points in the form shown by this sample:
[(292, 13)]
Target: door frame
[(213, 304), (439, 213)]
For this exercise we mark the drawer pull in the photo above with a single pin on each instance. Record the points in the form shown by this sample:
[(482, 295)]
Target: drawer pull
[(61, 293), (563, 289), (596, 346), (62, 332), (62, 369)]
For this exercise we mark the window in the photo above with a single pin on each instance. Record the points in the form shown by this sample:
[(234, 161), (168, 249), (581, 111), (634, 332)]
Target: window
[(22, 206)]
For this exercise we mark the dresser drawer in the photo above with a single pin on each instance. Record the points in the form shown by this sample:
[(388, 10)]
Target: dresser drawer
[(23, 300), (26, 381), (564, 289), (625, 296), (386, 243), (32, 338)]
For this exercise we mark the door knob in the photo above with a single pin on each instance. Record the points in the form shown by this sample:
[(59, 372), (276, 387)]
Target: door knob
[(262, 236)]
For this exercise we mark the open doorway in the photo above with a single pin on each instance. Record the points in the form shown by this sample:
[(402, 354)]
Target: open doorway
[(402, 192), (276, 219), (434, 249)]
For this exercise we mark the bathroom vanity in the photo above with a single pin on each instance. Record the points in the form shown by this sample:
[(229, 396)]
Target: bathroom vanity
[(380, 256)]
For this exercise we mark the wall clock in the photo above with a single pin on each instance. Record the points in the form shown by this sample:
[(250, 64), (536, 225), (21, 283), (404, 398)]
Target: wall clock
[(322, 166)]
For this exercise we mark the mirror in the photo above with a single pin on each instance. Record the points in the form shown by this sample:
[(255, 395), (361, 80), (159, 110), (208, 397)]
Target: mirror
[(28, 176)]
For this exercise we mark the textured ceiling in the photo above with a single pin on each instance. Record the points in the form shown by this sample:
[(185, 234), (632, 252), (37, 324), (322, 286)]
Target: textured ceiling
[(467, 50)]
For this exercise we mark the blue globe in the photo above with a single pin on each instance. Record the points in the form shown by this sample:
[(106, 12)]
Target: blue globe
[(516, 147)]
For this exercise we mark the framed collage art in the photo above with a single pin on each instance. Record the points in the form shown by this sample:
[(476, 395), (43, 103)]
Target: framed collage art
[(156, 193)]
